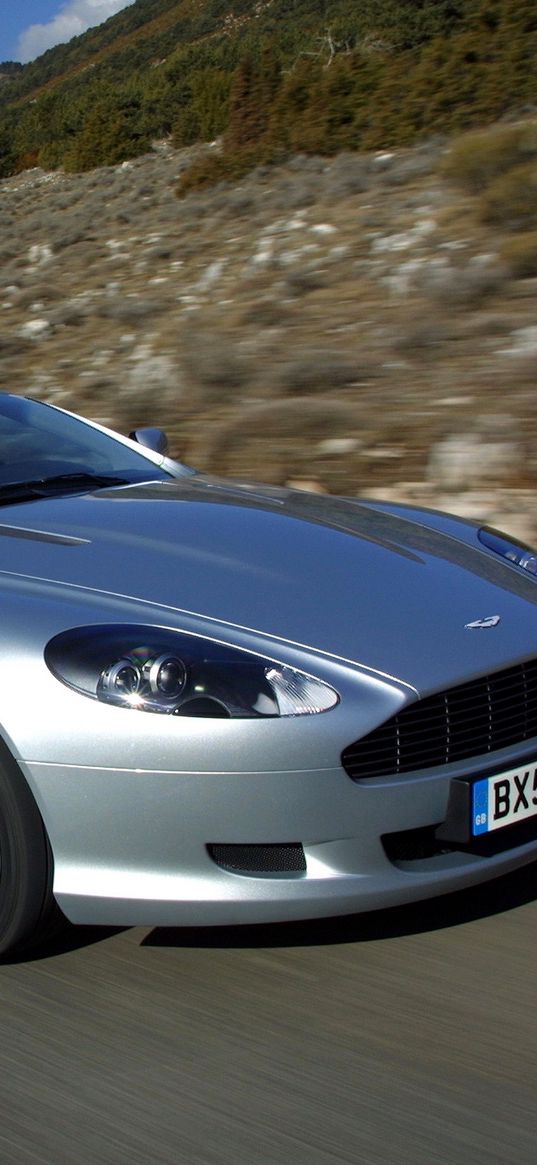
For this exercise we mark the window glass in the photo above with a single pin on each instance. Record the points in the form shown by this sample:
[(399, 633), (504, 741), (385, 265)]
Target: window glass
[(38, 441)]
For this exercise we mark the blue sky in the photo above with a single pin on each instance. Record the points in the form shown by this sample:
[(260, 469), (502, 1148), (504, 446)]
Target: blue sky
[(30, 27)]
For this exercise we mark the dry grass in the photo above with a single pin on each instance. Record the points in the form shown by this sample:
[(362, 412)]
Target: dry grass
[(477, 159), (327, 321), (510, 202), (520, 255)]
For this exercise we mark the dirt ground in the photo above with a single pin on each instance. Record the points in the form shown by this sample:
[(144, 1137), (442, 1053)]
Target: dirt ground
[(346, 324)]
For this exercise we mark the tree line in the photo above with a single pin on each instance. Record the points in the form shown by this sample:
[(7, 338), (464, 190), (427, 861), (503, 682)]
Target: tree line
[(270, 78)]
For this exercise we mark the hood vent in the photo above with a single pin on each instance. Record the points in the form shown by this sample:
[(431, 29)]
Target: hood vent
[(42, 536)]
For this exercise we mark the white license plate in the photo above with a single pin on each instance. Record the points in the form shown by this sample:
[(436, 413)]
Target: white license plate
[(504, 799)]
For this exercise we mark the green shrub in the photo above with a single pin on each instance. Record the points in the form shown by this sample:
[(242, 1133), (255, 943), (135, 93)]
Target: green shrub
[(520, 255), (212, 168), (510, 202), (476, 159)]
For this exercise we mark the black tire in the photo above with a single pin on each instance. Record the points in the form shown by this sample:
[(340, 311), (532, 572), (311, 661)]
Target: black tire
[(27, 908)]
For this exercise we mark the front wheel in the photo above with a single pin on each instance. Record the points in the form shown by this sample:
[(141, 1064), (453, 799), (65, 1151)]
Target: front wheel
[(27, 908)]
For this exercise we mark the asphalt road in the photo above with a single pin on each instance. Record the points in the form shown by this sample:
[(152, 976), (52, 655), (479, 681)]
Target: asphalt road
[(407, 1036)]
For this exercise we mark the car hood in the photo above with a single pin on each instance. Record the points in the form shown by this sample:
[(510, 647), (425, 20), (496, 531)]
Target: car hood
[(374, 588)]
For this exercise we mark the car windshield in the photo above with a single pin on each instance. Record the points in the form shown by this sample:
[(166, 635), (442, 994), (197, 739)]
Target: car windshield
[(39, 443)]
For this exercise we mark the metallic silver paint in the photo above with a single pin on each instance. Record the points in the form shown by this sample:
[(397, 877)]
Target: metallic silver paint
[(375, 601)]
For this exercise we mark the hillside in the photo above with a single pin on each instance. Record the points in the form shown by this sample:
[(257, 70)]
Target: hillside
[(358, 324), (260, 225), (275, 77)]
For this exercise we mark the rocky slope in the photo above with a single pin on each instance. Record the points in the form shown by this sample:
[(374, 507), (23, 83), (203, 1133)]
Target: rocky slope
[(347, 324)]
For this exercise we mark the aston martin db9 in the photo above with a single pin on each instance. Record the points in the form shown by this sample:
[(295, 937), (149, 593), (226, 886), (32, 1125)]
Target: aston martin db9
[(227, 703)]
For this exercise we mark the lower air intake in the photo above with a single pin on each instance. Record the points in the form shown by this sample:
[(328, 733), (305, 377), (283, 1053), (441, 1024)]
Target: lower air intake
[(260, 860)]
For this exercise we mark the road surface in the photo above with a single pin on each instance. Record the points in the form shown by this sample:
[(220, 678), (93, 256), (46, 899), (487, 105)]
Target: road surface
[(407, 1036)]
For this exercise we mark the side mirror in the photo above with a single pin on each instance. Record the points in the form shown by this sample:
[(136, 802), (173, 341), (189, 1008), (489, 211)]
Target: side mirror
[(154, 439)]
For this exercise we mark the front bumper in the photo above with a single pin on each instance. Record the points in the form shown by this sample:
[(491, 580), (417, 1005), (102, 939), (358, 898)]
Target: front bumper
[(133, 847)]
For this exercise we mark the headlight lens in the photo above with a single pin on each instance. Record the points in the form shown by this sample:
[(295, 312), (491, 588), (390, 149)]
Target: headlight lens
[(516, 552), (156, 670)]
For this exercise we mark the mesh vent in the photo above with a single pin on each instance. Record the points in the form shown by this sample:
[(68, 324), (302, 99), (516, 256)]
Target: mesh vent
[(288, 858), (474, 719)]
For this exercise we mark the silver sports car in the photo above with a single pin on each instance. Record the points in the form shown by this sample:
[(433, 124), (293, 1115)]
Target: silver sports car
[(230, 703)]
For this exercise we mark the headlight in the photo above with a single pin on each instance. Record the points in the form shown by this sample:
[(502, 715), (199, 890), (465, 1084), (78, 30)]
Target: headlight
[(516, 552), (156, 670)]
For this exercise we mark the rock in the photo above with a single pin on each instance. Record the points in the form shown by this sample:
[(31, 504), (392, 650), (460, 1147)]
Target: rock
[(465, 460), (39, 254), (35, 329)]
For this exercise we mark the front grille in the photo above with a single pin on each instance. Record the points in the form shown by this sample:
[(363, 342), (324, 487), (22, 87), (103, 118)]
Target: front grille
[(259, 860), (474, 719)]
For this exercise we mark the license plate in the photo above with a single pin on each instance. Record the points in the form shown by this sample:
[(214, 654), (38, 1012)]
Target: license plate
[(504, 799)]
